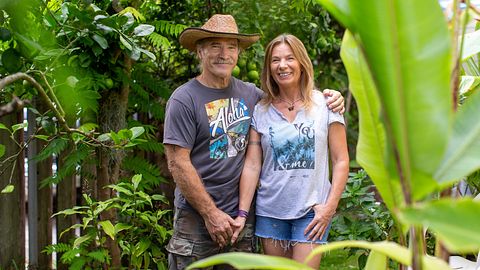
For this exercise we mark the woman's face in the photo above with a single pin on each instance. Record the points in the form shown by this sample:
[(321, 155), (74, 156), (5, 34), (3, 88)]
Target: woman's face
[(284, 67)]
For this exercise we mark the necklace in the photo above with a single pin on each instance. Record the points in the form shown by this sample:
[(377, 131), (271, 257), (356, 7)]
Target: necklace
[(291, 106)]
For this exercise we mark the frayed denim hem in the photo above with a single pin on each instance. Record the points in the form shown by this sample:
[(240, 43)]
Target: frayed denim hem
[(287, 244)]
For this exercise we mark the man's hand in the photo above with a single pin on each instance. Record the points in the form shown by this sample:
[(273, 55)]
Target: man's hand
[(335, 100), (220, 226)]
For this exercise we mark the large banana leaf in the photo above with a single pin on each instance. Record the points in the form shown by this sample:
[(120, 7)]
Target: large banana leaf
[(241, 260), (456, 222), (407, 48), (389, 249), (463, 153), (371, 140), (469, 85), (376, 261), (471, 45)]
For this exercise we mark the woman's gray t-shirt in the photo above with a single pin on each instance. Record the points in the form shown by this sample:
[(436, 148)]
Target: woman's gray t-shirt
[(295, 171)]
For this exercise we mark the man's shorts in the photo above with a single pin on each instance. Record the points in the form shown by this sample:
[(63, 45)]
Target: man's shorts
[(290, 230), (191, 241)]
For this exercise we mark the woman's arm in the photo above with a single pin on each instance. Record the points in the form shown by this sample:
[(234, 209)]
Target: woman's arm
[(337, 142), (249, 178)]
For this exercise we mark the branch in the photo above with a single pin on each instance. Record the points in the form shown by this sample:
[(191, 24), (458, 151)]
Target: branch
[(13, 106), (19, 76)]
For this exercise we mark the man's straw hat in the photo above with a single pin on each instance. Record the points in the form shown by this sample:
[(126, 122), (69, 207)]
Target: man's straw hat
[(217, 26)]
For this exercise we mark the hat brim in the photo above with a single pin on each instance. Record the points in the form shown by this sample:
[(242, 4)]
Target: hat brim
[(189, 37)]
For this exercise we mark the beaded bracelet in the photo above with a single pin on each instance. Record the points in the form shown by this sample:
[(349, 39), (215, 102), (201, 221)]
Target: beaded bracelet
[(242, 213)]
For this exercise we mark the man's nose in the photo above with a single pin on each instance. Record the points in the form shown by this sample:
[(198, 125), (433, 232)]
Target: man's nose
[(223, 51)]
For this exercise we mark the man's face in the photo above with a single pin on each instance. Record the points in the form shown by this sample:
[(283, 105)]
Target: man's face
[(218, 57)]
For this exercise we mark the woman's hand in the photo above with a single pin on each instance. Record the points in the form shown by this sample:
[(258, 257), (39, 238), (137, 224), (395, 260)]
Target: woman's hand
[(316, 229), (240, 221)]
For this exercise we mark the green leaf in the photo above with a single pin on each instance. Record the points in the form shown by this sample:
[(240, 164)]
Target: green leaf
[(471, 45), (42, 137), (19, 126), (241, 260), (376, 261), (456, 222), (158, 197), (143, 30), (406, 44), (108, 228), (32, 47), (462, 156), (79, 99), (371, 146), (150, 172), (121, 190), (2, 150), (468, 84), (143, 245), (98, 255), (136, 179), (87, 127), (101, 41), (8, 189), (54, 147), (390, 249), (78, 264), (126, 42), (45, 55), (72, 211), (121, 227), (136, 132), (148, 53), (104, 137), (159, 41), (2, 126), (81, 240)]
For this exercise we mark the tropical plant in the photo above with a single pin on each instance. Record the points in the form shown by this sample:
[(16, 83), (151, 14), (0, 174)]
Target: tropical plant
[(361, 216), (142, 230), (412, 142)]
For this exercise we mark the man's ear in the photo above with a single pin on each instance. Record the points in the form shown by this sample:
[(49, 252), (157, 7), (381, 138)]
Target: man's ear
[(199, 53)]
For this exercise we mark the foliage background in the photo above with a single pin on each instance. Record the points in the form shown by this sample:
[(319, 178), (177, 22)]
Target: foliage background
[(107, 69)]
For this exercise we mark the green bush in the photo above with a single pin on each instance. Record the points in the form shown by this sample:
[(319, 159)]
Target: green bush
[(142, 231), (361, 215)]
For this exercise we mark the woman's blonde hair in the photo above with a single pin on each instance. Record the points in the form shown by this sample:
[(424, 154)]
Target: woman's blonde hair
[(268, 84)]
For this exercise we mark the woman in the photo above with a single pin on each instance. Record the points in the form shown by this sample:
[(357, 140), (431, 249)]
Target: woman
[(292, 133)]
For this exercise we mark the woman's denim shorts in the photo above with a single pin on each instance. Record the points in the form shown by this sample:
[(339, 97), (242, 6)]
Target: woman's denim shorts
[(290, 229)]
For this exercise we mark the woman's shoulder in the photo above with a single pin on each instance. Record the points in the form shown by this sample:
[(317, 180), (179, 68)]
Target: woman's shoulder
[(318, 98)]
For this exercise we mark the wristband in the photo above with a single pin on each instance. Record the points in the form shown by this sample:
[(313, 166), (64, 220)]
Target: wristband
[(242, 213)]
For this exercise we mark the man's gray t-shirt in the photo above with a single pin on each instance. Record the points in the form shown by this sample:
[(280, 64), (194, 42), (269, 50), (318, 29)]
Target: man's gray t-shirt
[(214, 124), (294, 173)]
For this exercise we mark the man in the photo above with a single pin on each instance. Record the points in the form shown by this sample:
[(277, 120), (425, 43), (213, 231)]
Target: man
[(206, 127)]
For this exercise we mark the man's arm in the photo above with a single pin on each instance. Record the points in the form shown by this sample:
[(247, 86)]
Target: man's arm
[(218, 223)]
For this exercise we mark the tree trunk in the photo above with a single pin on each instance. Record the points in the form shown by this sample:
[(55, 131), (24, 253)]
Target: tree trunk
[(12, 205), (112, 117)]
